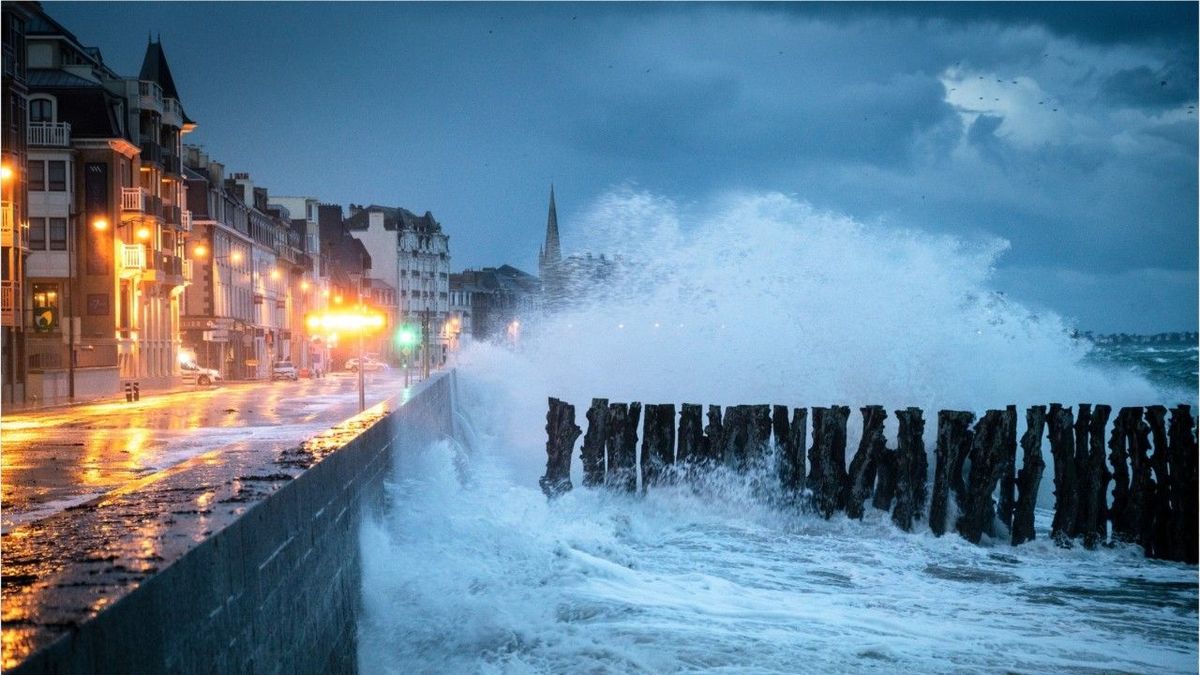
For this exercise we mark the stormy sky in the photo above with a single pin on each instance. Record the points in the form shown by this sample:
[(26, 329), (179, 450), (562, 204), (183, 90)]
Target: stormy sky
[(1069, 129)]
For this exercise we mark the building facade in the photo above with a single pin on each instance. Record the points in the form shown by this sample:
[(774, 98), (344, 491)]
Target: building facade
[(14, 17)]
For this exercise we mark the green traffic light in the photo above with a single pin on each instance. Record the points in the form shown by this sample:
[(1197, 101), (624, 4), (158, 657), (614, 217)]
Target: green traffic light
[(407, 337)]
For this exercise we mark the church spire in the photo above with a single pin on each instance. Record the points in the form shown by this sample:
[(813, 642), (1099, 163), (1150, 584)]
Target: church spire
[(552, 254)]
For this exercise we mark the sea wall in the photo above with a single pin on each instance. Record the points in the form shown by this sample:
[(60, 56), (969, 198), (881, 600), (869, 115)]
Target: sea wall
[(276, 590)]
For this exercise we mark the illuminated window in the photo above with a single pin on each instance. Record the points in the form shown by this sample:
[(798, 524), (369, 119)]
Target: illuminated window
[(45, 295)]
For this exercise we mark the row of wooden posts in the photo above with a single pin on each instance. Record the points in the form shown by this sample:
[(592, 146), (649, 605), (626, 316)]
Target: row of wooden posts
[(1154, 496)]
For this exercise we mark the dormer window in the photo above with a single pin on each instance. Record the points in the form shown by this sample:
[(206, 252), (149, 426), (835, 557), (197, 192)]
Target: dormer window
[(41, 110)]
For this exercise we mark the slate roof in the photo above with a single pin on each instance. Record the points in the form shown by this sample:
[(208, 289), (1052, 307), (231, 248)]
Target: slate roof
[(394, 218), (51, 79), (91, 111), (155, 69)]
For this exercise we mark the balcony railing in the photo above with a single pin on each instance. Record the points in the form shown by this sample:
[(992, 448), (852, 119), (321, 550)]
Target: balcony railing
[(172, 214), (171, 164), (133, 199), (152, 152), (8, 226), (133, 258), (8, 296), (185, 221), (187, 271), (172, 112), (49, 134), (151, 95)]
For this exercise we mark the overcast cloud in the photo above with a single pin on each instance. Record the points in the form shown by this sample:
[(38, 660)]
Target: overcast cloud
[(1069, 129)]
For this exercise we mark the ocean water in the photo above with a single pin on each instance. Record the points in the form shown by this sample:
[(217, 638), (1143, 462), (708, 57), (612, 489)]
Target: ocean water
[(759, 299)]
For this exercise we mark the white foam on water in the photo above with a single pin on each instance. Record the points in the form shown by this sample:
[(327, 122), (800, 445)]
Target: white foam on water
[(759, 299)]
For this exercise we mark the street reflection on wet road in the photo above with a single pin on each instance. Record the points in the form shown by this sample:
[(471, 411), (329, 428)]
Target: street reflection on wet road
[(59, 458)]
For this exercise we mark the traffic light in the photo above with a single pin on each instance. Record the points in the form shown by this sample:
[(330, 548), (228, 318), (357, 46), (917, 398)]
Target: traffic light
[(407, 337)]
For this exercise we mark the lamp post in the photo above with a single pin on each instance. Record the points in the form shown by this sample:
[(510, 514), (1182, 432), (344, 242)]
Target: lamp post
[(359, 322)]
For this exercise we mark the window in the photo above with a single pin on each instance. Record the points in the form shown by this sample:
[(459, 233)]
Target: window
[(58, 234), (41, 110), (45, 295), (37, 175), (37, 234), (58, 176)]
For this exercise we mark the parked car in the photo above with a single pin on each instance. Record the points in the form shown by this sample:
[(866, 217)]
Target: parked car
[(194, 374), (370, 364), (284, 370)]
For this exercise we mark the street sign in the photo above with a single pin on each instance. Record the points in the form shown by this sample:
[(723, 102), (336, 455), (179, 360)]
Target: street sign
[(218, 335)]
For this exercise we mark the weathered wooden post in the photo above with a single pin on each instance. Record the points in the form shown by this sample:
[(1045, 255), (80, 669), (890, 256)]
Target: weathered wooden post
[(911, 468), (594, 441), (827, 457), (1030, 475), (1083, 421), (622, 446), (885, 479), (987, 467), (1093, 477), (1141, 486), (736, 432), (953, 445), (1008, 481), (1182, 450), (758, 441), (790, 440), (691, 435), (1160, 539), (861, 480), (1066, 483), (1118, 456), (561, 434), (658, 444), (714, 436)]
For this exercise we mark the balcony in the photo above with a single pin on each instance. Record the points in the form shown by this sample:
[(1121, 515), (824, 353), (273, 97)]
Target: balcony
[(172, 113), (133, 199), (12, 233), (172, 215), (152, 152), (185, 221), (10, 294), (187, 271), (133, 260), (172, 164), (49, 134), (150, 96)]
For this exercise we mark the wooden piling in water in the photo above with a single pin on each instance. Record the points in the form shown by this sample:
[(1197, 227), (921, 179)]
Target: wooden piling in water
[(621, 446), (561, 434), (1118, 457), (1030, 475), (758, 436), (987, 467), (953, 445), (594, 440), (1093, 476), (691, 435), (1066, 484), (1008, 479), (714, 436), (1139, 514), (861, 477), (1181, 448), (1160, 536), (827, 459), (658, 444), (911, 468)]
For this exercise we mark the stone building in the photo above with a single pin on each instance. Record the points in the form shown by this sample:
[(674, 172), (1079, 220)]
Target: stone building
[(14, 17), (501, 300), (412, 254)]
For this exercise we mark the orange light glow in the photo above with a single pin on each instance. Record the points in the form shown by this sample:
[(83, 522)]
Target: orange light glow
[(6, 172), (100, 224), (200, 250), (144, 233), (274, 274), (346, 322), (304, 285), (236, 256)]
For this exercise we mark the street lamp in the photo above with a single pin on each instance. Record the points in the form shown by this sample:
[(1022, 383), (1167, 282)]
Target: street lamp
[(359, 322)]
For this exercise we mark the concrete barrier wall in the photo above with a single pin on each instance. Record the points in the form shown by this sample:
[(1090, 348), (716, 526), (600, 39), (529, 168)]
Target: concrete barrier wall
[(276, 591)]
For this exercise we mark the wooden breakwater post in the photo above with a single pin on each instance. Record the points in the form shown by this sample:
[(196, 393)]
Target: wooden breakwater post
[(861, 476), (1154, 496), (561, 434), (1029, 477), (954, 438), (658, 444), (827, 476), (594, 441), (621, 446), (911, 469)]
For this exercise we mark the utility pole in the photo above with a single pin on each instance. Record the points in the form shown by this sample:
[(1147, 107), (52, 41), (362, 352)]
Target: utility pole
[(425, 344)]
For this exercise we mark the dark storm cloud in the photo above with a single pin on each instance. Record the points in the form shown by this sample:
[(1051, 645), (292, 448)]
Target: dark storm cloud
[(1099, 22), (1046, 124)]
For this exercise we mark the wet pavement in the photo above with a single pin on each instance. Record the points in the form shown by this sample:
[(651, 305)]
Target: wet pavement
[(171, 469), (59, 458)]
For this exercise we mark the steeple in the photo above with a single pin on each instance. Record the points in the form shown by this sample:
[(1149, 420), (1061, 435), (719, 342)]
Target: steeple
[(552, 253)]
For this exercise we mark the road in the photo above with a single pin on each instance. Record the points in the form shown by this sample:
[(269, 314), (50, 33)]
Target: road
[(59, 458)]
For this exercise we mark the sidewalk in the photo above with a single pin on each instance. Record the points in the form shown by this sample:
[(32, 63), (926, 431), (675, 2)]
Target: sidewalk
[(156, 386)]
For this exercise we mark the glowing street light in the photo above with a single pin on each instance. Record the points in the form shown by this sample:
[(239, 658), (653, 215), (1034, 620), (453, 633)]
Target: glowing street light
[(358, 323)]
